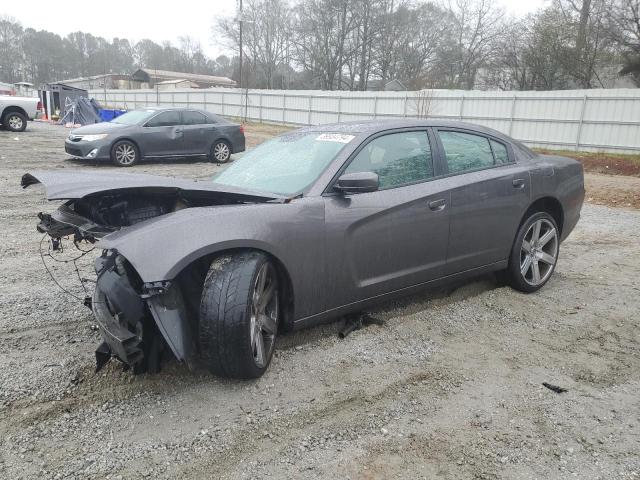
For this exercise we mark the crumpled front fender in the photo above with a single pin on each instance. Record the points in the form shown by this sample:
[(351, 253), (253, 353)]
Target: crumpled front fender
[(161, 247)]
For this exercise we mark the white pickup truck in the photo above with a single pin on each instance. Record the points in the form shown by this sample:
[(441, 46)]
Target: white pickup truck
[(15, 111)]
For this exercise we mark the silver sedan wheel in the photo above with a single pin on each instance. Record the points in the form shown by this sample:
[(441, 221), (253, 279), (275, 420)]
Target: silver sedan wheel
[(125, 154), (221, 152), (15, 122), (539, 252), (264, 315)]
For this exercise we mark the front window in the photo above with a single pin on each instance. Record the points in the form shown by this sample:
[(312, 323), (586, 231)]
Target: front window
[(398, 159), (285, 165), (134, 117), (165, 119)]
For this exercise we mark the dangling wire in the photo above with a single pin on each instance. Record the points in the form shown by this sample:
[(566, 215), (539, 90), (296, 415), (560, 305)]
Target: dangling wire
[(72, 260)]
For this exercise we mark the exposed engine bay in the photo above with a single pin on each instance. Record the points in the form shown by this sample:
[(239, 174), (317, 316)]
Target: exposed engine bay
[(91, 218)]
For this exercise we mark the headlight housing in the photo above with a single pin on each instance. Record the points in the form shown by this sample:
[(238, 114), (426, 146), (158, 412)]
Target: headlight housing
[(91, 138)]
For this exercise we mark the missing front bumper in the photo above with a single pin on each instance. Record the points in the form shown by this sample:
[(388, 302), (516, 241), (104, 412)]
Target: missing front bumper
[(132, 323), (119, 312)]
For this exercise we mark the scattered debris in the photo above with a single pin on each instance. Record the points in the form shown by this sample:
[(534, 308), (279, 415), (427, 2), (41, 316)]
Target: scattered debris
[(554, 388), (356, 322)]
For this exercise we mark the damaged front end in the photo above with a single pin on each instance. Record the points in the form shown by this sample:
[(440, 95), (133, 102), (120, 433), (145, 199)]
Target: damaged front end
[(136, 319)]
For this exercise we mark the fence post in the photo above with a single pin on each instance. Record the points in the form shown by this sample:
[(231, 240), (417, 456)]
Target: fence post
[(284, 106), (222, 101), (584, 104), (461, 106), (146, 99), (406, 101), (310, 110), (513, 110), (187, 99), (375, 107), (260, 96), (205, 102), (339, 107)]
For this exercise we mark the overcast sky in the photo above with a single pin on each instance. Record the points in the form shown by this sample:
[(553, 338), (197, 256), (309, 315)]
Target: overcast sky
[(159, 21)]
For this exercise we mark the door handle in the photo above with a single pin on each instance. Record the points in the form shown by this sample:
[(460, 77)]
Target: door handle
[(518, 183), (178, 130), (437, 205)]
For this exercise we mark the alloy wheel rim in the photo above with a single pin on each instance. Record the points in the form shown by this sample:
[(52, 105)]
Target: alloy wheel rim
[(539, 252), (221, 152), (264, 315), (15, 122), (125, 154)]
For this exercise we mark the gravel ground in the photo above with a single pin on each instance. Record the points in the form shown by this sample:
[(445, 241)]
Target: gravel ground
[(449, 387)]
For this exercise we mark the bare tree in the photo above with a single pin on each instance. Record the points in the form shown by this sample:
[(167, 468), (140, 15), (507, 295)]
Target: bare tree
[(586, 20), (11, 59), (623, 27), (423, 102), (266, 36), (323, 29), (477, 25)]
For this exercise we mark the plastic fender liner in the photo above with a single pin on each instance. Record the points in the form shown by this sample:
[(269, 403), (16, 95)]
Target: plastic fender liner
[(170, 313), (122, 342)]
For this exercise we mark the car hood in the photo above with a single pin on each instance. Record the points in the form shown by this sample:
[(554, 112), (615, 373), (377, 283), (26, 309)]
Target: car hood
[(75, 184), (97, 128)]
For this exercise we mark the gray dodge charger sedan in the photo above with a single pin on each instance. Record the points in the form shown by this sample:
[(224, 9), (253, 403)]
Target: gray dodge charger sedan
[(157, 132), (309, 226)]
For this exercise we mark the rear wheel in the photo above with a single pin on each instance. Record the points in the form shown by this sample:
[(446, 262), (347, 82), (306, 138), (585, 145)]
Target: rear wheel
[(125, 153), (15, 122), (535, 253), (239, 315), (220, 152)]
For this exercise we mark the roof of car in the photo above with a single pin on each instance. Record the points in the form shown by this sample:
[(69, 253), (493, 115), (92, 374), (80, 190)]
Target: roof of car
[(162, 109), (372, 126)]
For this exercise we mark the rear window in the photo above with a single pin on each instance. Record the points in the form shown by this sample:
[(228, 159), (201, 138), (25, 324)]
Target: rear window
[(499, 152), (465, 151), (193, 118)]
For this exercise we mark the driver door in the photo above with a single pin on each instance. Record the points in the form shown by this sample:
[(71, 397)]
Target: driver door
[(393, 238), (162, 135)]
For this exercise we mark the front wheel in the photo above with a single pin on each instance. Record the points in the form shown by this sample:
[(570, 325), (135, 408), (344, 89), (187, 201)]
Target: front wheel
[(239, 315), (535, 253), (15, 122), (125, 154)]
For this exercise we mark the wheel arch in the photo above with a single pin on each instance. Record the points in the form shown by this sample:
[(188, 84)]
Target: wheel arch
[(548, 204), (13, 109), (191, 277), (226, 140)]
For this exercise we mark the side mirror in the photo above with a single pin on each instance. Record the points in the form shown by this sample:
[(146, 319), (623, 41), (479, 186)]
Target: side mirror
[(357, 182)]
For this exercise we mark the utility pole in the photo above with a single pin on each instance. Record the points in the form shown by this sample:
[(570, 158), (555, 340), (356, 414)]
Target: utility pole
[(244, 97)]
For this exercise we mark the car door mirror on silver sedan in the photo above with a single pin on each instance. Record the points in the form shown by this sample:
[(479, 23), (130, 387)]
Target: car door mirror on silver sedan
[(357, 182)]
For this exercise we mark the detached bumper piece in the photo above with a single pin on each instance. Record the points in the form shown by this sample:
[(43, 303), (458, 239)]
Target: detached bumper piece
[(119, 312)]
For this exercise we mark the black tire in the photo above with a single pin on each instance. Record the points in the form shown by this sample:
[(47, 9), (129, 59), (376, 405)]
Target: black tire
[(14, 122), (220, 152), (541, 256), (125, 153), (227, 346)]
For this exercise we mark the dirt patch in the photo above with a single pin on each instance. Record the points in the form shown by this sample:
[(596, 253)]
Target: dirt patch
[(612, 190), (449, 387), (601, 162)]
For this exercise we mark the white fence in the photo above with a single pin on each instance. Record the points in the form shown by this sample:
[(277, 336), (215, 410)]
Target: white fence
[(594, 120)]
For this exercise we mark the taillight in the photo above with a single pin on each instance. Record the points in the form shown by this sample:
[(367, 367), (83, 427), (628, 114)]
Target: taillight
[(39, 107), (242, 129)]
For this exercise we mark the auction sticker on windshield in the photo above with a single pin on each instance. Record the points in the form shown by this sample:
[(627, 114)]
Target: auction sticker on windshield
[(335, 137)]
